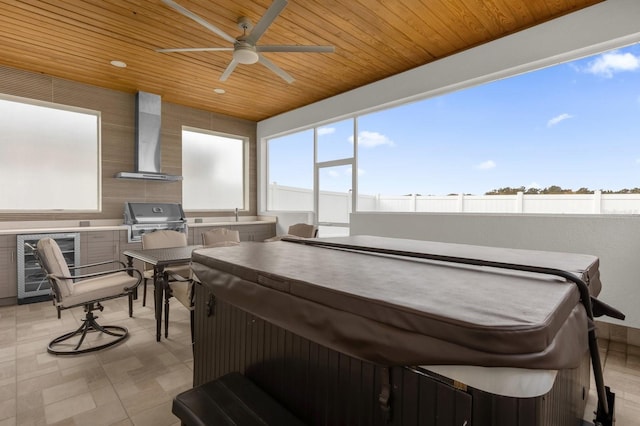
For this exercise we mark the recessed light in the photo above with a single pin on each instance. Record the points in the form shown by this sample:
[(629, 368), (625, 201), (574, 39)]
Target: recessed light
[(219, 91), (119, 64)]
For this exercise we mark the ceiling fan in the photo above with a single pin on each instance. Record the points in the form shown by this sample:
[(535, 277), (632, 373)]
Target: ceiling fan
[(245, 50)]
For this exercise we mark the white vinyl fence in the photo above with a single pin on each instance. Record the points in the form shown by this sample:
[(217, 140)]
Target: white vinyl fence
[(336, 206)]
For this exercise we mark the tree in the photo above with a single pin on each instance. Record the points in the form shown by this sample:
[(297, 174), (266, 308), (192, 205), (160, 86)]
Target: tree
[(556, 189), (584, 190), (505, 191)]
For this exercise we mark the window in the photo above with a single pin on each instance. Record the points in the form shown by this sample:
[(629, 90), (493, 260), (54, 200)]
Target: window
[(290, 169), (562, 139), (213, 170), (558, 136), (49, 157), (335, 141)]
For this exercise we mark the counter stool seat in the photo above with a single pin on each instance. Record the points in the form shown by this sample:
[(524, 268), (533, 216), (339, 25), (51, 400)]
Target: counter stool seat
[(231, 400)]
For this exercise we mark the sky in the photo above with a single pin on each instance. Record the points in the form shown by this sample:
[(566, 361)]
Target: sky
[(573, 125)]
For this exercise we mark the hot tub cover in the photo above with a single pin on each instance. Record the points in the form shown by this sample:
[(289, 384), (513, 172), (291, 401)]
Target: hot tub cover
[(397, 310)]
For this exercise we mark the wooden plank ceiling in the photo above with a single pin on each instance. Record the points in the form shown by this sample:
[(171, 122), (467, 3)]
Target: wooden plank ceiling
[(373, 39)]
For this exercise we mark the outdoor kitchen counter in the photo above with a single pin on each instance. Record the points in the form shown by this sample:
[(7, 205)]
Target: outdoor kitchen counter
[(37, 227), (6, 229), (250, 228), (105, 239), (229, 222)]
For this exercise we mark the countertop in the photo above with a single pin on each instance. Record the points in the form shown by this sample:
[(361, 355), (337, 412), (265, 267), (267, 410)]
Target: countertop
[(38, 227)]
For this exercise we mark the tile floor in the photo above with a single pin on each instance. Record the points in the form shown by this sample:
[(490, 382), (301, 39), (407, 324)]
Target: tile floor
[(130, 384), (621, 364), (135, 382)]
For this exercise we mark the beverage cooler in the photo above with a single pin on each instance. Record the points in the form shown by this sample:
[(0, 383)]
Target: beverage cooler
[(33, 285)]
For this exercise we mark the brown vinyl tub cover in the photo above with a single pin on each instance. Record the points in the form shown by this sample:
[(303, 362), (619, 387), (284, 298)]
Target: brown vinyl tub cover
[(396, 310)]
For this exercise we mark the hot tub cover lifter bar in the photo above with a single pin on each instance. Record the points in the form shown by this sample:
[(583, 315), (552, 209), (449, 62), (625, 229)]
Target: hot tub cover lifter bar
[(606, 398)]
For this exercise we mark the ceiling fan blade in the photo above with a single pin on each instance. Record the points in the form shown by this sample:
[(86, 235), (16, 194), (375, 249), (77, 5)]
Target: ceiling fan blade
[(296, 48), (229, 70), (276, 69), (199, 20), (195, 49), (266, 20)]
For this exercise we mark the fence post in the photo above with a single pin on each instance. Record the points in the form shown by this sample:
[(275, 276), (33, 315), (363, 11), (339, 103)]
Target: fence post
[(519, 202), (597, 202), (461, 202), (413, 202)]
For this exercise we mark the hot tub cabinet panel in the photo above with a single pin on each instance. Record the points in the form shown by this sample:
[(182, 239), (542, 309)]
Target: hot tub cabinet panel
[(341, 336), (325, 387)]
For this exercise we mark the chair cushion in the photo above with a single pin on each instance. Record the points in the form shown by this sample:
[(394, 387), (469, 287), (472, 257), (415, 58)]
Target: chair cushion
[(182, 270), (164, 239), (54, 263), (303, 230), (223, 244), (220, 235), (299, 230), (99, 288), (181, 290)]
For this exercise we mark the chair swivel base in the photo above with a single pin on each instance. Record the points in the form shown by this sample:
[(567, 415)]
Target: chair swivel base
[(89, 325)]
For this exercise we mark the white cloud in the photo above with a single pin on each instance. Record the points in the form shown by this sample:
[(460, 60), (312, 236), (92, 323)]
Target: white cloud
[(333, 173), (555, 120), (372, 139), (326, 130), (534, 185), (486, 165), (609, 63)]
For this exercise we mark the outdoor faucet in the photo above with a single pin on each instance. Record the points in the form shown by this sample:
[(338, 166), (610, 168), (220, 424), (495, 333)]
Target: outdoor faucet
[(236, 214)]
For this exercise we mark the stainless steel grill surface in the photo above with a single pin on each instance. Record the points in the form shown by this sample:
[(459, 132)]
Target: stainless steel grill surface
[(142, 218)]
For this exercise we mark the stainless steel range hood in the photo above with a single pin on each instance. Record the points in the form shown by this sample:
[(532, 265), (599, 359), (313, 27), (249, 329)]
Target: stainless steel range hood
[(147, 154)]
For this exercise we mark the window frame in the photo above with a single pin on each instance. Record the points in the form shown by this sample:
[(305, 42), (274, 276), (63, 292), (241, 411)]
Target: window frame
[(98, 160), (245, 167), (358, 115)]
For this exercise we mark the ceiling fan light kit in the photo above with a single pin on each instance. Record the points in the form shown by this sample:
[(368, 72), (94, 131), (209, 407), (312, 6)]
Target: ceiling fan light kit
[(245, 50), (245, 53)]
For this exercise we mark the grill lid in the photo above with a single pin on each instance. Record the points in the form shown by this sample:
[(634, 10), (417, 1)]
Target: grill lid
[(139, 213)]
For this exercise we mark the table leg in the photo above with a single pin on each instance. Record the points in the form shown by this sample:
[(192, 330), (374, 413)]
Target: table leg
[(158, 293), (167, 296)]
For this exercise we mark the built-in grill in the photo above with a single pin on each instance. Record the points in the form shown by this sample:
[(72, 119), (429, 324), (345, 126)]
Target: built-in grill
[(142, 218)]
